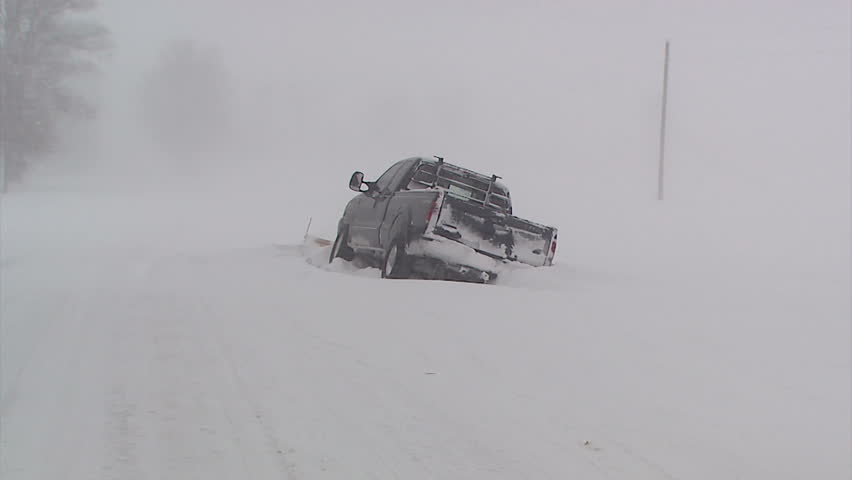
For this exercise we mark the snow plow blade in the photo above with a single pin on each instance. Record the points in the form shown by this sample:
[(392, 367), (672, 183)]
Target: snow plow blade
[(317, 241)]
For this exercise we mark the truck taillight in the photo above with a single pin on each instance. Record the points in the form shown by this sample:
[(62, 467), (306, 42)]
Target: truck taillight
[(432, 209), (553, 247)]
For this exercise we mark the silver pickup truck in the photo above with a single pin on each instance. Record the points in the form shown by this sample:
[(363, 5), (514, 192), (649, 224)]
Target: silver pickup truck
[(426, 218)]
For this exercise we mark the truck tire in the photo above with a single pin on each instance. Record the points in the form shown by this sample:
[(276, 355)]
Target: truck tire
[(395, 264), (340, 248)]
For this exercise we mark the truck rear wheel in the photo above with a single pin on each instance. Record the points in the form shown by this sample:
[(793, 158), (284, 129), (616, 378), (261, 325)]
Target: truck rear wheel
[(340, 248), (395, 264)]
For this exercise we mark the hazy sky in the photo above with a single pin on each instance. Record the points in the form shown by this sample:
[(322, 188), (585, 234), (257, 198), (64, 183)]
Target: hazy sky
[(555, 96)]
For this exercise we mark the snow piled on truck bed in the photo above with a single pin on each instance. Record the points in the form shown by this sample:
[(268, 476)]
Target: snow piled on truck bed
[(246, 355)]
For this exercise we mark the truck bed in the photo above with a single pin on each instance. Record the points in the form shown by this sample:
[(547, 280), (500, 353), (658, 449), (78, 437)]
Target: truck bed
[(499, 236)]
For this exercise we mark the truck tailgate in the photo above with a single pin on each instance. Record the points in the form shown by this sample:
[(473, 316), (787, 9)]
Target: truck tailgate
[(492, 233)]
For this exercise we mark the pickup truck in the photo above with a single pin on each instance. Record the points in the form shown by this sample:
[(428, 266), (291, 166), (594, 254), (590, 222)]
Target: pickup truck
[(426, 218)]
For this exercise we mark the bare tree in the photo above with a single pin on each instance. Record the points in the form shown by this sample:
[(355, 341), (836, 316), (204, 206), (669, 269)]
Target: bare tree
[(45, 44), (186, 99)]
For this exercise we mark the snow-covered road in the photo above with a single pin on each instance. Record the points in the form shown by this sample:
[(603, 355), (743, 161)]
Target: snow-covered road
[(126, 362)]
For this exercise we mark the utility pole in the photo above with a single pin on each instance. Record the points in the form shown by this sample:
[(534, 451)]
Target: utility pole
[(661, 168), (4, 71)]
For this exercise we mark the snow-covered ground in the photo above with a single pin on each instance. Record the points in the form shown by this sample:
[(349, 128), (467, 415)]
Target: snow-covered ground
[(160, 317), (142, 339)]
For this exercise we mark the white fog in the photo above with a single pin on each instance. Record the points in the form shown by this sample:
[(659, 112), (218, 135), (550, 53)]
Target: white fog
[(164, 315)]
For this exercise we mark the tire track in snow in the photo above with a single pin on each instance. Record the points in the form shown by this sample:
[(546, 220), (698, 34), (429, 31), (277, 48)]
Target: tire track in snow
[(120, 408), (217, 381), (41, 335), (197, 434), (274, 447), (56, 400)]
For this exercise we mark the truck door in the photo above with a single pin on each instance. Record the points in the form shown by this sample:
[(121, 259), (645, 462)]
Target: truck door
[(370, 210)]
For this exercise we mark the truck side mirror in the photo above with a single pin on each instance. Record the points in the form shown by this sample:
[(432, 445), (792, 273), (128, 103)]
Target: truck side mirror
[(357, 182)]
